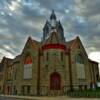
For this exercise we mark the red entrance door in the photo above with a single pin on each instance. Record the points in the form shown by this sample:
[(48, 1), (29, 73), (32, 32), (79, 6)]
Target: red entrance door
[(55, 81)]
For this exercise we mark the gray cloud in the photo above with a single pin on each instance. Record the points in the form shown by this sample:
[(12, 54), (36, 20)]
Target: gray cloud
[(18, 21), (87, 7)]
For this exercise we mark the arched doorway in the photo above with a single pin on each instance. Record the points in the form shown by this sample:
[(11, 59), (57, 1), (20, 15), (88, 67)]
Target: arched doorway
[(55, 81)]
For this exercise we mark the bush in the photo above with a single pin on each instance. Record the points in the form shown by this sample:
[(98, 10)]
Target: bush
[(86, 93)]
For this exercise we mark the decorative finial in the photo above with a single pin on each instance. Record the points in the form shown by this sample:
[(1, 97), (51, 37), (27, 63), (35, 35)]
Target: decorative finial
[(53, 16), (53, 11)]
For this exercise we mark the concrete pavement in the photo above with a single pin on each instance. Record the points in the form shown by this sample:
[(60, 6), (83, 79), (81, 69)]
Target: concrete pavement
[(11, 97)]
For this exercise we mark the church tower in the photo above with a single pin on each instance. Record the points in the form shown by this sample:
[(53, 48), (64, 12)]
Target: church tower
[(52, 25)]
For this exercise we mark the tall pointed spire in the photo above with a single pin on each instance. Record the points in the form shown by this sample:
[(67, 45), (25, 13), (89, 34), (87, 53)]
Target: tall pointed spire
[(53, 16), (51, 26)]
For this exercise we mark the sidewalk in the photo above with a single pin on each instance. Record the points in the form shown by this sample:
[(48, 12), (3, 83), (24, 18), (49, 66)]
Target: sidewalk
[(37, 98), (47, 98)]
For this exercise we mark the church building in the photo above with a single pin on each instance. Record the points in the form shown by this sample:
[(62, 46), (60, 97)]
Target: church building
[(52, 66)]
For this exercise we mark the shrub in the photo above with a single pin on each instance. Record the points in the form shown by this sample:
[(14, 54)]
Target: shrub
[(86, 93)]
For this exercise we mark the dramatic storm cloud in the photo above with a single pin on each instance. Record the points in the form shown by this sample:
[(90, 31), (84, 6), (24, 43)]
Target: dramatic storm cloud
[(22, 18)]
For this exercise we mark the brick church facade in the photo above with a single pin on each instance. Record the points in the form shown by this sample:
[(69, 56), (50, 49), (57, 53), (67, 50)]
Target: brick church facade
[(52, 66)]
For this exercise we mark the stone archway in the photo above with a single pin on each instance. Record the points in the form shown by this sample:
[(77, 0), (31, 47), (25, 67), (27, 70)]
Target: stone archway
[(55, 81)]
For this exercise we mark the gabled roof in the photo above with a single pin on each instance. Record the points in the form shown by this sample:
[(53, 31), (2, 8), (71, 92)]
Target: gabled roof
[(72, 44), (33, 43), (69, 43), (6, 59), (93, 61)]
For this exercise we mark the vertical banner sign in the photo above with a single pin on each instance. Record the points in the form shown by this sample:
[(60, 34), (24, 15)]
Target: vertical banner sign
[(80, 71), (28, 68)]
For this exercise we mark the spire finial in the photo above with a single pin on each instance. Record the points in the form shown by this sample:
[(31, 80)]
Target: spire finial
[(53, 16), (53, 11)]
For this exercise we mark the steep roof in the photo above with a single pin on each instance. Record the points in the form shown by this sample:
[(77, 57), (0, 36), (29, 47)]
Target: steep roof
[(37, 43), (69, 43), (33, 43)]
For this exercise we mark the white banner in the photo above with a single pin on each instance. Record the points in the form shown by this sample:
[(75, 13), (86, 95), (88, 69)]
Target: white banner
[(27, 71), (80, 71)]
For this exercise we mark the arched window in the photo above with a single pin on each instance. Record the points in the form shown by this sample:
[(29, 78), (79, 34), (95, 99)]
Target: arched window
[(79, 59), (80, 66), (27, 67)]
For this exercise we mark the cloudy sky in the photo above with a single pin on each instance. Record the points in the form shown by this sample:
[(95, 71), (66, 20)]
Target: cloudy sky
[(20, 19)]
